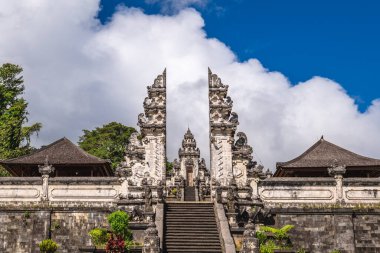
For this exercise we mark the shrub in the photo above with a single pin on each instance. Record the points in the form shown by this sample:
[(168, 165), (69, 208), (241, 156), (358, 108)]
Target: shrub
[(48, 246), (99, 236), (119, 221)]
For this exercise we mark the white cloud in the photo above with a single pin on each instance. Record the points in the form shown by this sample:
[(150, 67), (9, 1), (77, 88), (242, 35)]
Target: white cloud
[(173, 6), (80, 74)]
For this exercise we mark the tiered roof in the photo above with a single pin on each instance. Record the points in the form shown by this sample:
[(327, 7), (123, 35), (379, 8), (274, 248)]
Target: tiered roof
[(322, 155), (61, 153)]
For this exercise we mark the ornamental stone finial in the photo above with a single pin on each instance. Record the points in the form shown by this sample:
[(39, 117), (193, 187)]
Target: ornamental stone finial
[(336, 169), (46, 169)]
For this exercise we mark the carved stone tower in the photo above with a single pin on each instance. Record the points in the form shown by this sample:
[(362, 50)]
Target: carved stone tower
[(189, 157), (146, 153), (223, 123)]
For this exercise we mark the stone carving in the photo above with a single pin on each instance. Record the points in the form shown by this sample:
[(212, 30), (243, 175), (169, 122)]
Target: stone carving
[(337, 171), (242, 140), (234, 118), (45, 170), (141, 120), (160, 191), (137, 214), (148, 199), (231, 200)]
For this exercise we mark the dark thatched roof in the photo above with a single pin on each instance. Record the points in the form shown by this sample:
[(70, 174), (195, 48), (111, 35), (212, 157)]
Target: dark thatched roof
[(60, 152), (323, 153)]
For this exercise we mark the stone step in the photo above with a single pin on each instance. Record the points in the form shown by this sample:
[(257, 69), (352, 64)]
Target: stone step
[(191, 227), (193, 234)]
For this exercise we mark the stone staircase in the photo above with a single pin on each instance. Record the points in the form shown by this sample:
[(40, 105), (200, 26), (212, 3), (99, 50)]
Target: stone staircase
[(189, 193), (191, 227)]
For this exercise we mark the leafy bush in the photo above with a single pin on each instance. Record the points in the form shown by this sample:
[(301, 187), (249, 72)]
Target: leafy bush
[(48, 246), (99, 236), (119, 221), (335, 251)]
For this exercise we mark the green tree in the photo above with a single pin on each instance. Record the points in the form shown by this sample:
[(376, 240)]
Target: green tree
[(107, 142), (14, 137)]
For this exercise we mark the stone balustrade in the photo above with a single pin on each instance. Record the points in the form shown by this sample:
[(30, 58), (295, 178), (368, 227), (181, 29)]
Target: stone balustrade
[(296, 190)]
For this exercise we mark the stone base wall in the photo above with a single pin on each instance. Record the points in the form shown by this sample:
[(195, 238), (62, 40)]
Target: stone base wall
[(22, 230), (322, 231)]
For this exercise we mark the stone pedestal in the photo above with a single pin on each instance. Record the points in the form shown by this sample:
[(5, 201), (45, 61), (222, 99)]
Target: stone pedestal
[(232, 219), (149, 216), (250, 242), (151, 240)]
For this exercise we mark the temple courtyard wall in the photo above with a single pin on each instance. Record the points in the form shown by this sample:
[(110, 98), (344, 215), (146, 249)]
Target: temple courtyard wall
[(327, 214)]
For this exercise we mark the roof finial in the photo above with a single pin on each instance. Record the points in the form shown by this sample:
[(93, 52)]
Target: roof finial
[(322, 137)]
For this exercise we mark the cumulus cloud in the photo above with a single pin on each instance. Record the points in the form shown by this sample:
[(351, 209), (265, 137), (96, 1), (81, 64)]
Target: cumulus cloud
[(81, 74)]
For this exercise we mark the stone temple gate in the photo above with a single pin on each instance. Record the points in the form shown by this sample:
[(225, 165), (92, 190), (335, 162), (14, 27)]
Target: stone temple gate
[(231, 156)]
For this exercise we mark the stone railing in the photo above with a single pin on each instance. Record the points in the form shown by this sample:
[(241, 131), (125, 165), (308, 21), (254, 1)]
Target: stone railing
[(296, 190), (64, 189)]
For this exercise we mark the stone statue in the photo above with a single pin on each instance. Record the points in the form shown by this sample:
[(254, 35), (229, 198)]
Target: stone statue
[(137, 214), (234, 118), (231, 200), (141, 120), (228, 101), (242, 140), (148, 199), (160, 191)]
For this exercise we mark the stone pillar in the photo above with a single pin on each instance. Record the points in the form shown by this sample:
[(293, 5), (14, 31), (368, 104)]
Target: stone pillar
[(223, 123), (337, 171), (250, 242), (151, 239), (255, 189), (232, 212), (45, 170)]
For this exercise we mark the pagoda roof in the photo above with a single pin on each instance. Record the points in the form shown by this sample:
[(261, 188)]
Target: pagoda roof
[(60, 152), (322, 155)]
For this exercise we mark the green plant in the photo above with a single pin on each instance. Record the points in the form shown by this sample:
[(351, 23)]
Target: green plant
[(26, 214), (301, 251), (279, 233), (119, 221), (268, 247), (99, 236), (335, 251), (55, 225), (173, 191), (48, 246), (274, 238)]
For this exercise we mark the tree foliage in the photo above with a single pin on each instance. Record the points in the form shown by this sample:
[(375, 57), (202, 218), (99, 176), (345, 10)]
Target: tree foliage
[(14, 137), (107, 142)]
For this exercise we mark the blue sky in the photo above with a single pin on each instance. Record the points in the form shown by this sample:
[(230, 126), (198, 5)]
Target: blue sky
[(335, 39)]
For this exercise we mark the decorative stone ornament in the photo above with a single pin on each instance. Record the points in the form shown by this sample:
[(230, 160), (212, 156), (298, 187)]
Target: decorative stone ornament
[(45, 170), (337, 171), (151, 239)]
